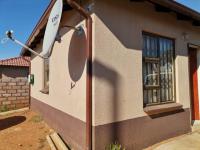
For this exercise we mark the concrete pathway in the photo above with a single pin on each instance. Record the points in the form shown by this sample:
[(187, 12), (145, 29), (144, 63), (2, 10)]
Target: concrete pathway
[(189, 141)]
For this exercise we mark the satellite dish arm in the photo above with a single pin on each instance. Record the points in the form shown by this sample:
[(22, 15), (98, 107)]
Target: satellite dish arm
[(10, 36), (29, 49)]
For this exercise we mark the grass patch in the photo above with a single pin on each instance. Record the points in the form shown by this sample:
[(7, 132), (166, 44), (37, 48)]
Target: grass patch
[(36, 119), (115, 146), (4, 108)]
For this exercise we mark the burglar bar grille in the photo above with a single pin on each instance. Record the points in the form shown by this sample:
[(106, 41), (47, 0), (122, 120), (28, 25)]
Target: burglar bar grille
[(158, 70)]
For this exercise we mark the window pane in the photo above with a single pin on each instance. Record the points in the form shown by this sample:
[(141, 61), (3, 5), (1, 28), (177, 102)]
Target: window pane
[(166, 54), (46, 73), (150, 46), (170, 69), (151, 74)]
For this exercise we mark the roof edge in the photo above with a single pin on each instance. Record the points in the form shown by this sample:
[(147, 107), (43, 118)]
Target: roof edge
[(178, 7), (39, 24), (172, 4)]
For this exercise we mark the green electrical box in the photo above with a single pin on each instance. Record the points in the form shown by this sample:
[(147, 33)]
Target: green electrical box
[(31, 79)]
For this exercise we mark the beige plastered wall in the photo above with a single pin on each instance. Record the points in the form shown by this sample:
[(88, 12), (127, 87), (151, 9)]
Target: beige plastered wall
[(117, 58), (118, 88), (67, 80)]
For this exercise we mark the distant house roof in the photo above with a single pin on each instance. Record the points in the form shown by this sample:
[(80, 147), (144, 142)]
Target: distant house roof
[(16, 61), (183, 13)]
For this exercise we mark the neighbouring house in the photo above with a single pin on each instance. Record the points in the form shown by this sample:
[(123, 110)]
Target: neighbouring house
[(14, 86), (145, 69)]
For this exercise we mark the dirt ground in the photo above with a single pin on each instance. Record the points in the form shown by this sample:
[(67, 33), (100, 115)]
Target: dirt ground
[(23, 131)]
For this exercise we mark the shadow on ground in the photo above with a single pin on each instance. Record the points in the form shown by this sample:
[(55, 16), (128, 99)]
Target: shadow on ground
[(11, 121)]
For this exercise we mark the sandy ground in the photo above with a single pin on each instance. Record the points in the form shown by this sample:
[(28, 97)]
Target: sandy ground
[(23, 131)]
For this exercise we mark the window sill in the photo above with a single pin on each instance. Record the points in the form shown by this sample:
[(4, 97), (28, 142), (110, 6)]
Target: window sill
[(45, 90), (158, 109)]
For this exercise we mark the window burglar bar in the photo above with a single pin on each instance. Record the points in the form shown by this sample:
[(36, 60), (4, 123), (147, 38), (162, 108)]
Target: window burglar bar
[(158, 70)]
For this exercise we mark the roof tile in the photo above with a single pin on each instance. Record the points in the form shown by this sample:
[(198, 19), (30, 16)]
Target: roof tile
[(16, 61)]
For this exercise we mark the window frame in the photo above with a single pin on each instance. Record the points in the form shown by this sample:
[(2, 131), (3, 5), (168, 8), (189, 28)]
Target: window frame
[(157, 36)]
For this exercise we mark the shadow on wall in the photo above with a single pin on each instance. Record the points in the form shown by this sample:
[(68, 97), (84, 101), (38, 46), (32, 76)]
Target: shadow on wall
[(77, 49), (77, 63), (128, 30), (77, 56), (112, 77), (124, 30), (11, 121)]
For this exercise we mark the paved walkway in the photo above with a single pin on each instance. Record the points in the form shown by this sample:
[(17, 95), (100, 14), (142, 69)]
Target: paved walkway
[(189, 141)]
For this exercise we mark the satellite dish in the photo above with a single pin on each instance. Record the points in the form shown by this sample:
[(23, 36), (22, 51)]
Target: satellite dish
[(52, 28), (50, 32)]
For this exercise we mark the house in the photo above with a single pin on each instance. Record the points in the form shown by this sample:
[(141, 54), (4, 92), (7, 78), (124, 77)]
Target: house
[(17, 67), (14, 86), (134, 81)]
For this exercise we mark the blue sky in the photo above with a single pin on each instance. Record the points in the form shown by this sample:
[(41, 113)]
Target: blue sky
[(22, 16), (194, 4)]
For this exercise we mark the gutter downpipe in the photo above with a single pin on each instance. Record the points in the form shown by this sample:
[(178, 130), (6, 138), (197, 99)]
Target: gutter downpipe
[(88, 18)]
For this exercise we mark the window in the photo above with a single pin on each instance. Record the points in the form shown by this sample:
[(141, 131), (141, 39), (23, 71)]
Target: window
[(46, 77), (158, 70)]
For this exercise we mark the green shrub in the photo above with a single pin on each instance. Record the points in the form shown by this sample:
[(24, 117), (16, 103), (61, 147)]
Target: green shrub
[(115, 146)]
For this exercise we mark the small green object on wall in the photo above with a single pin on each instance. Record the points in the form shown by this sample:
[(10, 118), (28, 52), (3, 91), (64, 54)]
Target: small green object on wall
[(31, 79)]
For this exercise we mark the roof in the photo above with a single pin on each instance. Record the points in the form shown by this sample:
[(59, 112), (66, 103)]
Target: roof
[(17, 61), (178, 8), (182, 12)]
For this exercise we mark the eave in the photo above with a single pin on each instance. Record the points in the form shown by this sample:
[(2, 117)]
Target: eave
[(39, 30)]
